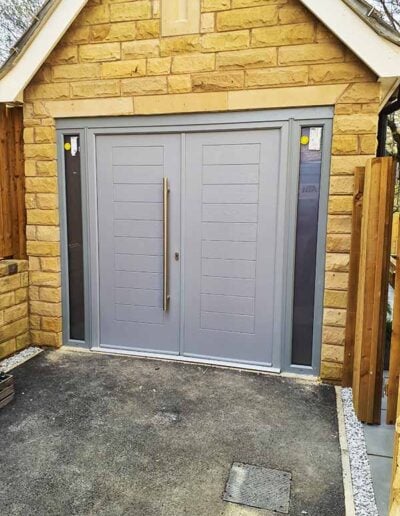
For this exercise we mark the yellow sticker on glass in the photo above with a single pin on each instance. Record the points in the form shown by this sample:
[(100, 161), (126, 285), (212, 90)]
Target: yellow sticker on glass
[(304, 140), (67, 146)]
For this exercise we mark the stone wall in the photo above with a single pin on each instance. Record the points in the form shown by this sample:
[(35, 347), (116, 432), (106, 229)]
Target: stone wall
[(14, 327), (249, 54)]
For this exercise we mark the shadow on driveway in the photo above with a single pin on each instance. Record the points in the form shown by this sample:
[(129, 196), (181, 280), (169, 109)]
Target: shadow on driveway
[(90, 434)]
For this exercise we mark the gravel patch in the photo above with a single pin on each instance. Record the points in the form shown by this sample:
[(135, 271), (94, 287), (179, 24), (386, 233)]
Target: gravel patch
[(363, 491), (19, 358)]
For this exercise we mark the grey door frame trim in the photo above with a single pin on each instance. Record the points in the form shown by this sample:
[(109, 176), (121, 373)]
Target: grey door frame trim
[(89, 128)]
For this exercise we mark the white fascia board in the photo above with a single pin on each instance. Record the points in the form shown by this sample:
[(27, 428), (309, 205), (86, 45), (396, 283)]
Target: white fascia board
[(379, 54), (38, 49)]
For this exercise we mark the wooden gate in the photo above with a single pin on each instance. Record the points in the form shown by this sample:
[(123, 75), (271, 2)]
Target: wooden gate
[(369, 271), (12, 186)]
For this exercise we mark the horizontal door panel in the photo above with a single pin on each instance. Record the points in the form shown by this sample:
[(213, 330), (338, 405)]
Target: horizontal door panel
[(138, 155), (230, 212), (246, 194), (138, 193), (141, 228), (227, 322), (227, 304), (138, 297), (138, 263), (141, 211), (228, 286), (229, 250), (146, 280), (136, 314), (230, 174), (138, 174), (229, 268), (150, 246), (235, 231), (231, 154)]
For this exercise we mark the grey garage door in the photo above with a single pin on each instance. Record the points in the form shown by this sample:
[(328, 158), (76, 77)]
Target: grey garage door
[(225, 233)]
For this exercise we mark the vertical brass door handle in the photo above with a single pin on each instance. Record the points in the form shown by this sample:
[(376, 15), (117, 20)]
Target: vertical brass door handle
[(166, 296)]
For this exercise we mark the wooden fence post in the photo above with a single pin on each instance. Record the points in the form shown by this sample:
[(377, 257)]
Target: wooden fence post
[(394, 364), (372, 288), (359, 175)]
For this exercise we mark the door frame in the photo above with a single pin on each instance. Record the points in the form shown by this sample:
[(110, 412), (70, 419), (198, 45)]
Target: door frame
[(289, 121)]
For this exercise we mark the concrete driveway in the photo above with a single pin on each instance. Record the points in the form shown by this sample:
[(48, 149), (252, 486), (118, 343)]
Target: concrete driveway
[(90, 434)]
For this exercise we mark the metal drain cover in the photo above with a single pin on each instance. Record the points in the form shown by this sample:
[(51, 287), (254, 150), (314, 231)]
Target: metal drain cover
[(259, 487)]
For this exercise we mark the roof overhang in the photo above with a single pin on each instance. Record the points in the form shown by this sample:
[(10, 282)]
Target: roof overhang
[(378, 53), (39, 46)]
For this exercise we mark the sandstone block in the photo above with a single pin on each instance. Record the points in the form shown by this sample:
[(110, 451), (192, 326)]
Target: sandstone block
[(45, 308), (45, 338), (254, 58), (47, 91), (235, 19), (50, 294), (368, 143), (7, 299), (333, 353), (7, 348), (100, 52), (207, 23), (141, 49), (49, 279), (90, 89), (355, 124), (125, 31), (41, 184), (337, 280), (215, 5), (339, 72), (148, 29), (339, 224), (46, 201), (123, 69), (281, 35), (228, 41), (294, 13), (341, 185), (159, 66), (11, 330), (92, 15), (23, 341), (340, 204), (335, 299), (333, 336), (51, 324), (193, 63), (48, 233), (21, 295), (139, 10), (338, 261), (334, 317), (179, 45), (76, 72), (64, 55), (179, 84), (286, 76), (144, 86), (345, 144), (14, 313), (10, 283), (45, 135), (50, 264), (43, 249), (310, 53), (218, 81), (337, 243)]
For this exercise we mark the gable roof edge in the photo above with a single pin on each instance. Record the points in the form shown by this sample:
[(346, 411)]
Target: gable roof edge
[(379, 54), (42, 41)]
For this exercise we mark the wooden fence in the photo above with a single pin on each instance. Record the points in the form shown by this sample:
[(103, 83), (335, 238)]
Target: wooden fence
[(12, 186), (369, 274)]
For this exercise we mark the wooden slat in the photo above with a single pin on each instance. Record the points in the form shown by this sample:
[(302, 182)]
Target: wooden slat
[(359, 175), (12, 185), (372, 288), (394, 363)]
